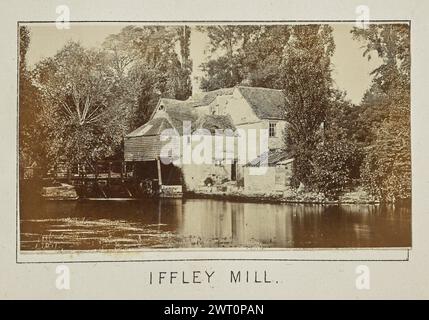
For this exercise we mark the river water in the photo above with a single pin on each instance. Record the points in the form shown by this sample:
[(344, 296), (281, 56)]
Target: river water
[(194, 223)]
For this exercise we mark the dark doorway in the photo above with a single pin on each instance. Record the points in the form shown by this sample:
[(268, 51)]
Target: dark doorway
[(234, 170)]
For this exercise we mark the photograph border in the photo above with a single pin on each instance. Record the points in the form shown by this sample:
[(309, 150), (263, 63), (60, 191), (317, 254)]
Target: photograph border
[(20, 253)]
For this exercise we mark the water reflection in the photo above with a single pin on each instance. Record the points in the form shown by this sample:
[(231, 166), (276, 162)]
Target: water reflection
[(210, 223), (236, 224)]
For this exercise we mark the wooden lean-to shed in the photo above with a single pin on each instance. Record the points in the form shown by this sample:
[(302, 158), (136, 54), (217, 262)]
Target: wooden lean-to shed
[(144, 143), (142, 147)]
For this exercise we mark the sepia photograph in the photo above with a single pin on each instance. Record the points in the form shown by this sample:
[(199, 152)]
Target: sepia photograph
[(143, 136)]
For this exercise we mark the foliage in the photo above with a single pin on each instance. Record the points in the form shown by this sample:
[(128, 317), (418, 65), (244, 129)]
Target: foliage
[(224, 69), (83, 101), (80, 113), (263, 55), (244, 54), (150, 67), (306, 79), (334, 162), (220, 74), (386, 170), (24, 43), (31, 149)]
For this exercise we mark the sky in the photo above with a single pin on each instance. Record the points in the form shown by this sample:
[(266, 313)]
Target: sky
[(351, 71)]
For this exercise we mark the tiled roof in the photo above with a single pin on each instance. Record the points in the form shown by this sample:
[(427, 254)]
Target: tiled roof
[(153, 127), (213, 122), (173, 103), (274, 157), (178, 114), (266, 103), (174, 118), (205, 98)]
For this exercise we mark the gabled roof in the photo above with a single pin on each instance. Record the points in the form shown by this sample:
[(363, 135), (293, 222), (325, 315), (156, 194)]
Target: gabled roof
[(173, 103), (178, 113), (153, 127), (174, 117), (266, 103), (274, 157), (212, 122), (205, 98)]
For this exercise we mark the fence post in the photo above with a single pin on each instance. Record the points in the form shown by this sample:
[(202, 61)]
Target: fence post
[(109, 173), (158, 165)]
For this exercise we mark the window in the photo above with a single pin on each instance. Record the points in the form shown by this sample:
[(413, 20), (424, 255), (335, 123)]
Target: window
[(272, 129)]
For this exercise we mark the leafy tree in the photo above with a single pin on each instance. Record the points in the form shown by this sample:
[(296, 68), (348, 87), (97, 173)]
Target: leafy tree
[(150, 67), (24, 43), (391, 42), (263, 55), (218, 74), (343, 123), (184, 36), (244, 54), (307, 82), (90, 98), (336, 161), (31, 148), (224, 69), (81, 115), (386, 170)]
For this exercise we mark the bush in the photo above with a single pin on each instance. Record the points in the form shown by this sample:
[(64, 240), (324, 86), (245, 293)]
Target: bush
[(386, 170), (334, 164)]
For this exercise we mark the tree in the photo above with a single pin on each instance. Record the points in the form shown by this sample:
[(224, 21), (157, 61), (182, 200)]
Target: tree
[(244, 54), (306, 81), (150, 66), (218, 74), (31, 148), (81, 114), (184, 35), (386, 170), (263, 55), (336, 160), (24, 43), (224, 69)]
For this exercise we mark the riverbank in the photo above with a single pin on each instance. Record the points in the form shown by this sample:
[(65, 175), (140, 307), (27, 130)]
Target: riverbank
[(358, 196), (223, 192)]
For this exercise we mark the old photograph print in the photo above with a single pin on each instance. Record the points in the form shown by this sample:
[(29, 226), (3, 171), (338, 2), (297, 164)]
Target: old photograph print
[(213, 135)]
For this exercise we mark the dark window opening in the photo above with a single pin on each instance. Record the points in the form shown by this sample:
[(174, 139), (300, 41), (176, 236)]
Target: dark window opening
[(272, 129), (234, 171)]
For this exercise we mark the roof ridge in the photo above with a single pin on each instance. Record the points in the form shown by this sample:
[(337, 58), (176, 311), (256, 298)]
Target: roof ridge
[(250, 87)]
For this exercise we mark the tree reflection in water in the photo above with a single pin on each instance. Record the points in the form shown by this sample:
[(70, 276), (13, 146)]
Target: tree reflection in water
[(177, 223)]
